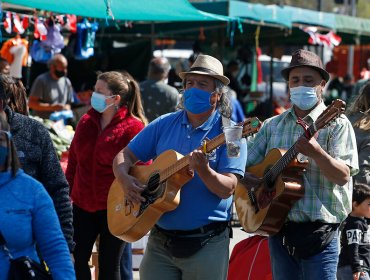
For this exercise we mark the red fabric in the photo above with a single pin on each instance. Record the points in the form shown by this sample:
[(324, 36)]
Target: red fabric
[(89, 171), (330, 39), (250, 260), (8, 22), (17, 24), (25, 22), (64, 161), (72, 20), (259, 66)]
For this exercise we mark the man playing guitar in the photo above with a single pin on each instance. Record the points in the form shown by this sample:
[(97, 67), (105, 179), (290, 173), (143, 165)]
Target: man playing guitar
[(191, 241), (332, 159)]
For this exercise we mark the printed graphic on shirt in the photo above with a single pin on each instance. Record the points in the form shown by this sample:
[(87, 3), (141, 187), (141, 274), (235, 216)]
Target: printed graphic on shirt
[(212, 155), (356, 236)]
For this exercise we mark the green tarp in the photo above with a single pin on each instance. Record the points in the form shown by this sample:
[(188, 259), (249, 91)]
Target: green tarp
[(352, 25), (259, 13), (310, 17), (132, 10), (287, 16), (182, 10), (284, 16)]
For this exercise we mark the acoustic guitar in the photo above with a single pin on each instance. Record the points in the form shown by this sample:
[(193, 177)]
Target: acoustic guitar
[(164, 179), (264, 210)]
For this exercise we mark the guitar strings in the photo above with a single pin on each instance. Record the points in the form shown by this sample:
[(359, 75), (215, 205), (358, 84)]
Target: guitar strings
[(281, 164)]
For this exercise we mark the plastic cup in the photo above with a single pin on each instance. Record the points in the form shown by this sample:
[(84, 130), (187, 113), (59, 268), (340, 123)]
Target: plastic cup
[(233, 136)]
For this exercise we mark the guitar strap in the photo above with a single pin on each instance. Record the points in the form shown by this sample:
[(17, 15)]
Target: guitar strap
[(300, 157), (306, 118)]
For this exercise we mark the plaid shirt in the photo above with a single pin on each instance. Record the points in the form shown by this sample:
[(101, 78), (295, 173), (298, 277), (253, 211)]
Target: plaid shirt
[(323, 200)]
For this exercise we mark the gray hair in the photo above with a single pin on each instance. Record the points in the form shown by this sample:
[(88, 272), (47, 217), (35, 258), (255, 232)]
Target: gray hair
[(224, 105)]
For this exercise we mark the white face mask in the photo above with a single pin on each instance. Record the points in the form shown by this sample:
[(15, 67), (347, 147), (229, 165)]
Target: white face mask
[(98, 102), (303, 97)]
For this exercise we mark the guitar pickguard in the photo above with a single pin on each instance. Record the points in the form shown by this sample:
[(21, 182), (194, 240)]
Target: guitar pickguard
[(153, 191), (151, 197)]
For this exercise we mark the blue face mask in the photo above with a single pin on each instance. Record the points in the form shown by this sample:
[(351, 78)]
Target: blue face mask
[(3, 155), (197, 101), (98, 102), (303, 97)]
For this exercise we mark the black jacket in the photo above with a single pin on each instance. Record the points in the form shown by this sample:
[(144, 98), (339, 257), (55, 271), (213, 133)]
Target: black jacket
[(355, 244), (39, 160)]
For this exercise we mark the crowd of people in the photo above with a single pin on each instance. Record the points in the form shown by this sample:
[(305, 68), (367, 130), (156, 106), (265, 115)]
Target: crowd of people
[(57, 218)]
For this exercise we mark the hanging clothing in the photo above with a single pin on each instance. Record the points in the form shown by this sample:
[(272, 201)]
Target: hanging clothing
[(86, 32), (18, 53), (9, 56), (54, 40)]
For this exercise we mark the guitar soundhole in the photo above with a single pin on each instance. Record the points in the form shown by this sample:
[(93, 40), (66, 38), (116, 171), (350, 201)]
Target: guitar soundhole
[(153, 184), (269, 176)]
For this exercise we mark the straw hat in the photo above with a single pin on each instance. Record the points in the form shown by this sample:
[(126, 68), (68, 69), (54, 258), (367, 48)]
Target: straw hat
[(305, 58), (209, 66)]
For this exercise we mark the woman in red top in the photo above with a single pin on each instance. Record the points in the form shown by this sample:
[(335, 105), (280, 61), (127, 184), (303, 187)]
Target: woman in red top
[(115, 118)]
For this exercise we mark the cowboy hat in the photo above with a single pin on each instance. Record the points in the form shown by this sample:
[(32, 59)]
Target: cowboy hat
[(209, 66), (305, 58)]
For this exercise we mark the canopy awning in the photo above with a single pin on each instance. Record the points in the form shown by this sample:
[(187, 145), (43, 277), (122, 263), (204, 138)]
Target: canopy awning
[(353, 25), (351, 29), (310, 17), (132, 10)]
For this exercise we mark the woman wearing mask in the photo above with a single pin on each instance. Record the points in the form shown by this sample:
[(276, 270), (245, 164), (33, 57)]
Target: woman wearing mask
[(115, 118), (27, 216)]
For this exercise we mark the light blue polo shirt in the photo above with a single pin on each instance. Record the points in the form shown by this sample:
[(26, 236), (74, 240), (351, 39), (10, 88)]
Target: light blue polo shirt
[(198, 206)]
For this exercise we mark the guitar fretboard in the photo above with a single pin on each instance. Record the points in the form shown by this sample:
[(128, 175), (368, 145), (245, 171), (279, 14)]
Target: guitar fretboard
[(283, 162), (184, 162)]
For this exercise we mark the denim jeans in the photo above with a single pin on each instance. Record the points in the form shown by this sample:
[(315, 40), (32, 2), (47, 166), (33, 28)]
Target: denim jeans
[(126, 263), (345, 272), (322, 266)]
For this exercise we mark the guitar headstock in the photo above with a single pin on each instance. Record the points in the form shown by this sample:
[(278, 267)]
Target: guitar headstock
[(250, 126), (333, 111)]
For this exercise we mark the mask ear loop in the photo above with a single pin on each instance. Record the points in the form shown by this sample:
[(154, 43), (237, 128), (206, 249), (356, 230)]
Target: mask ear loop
[(112, 104), (115, 105)]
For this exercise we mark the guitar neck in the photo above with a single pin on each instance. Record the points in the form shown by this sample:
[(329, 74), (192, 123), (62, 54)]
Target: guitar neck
[(284, 161), (184, 162), (330, 113)]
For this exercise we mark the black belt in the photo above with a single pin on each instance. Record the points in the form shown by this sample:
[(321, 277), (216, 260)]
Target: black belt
[(219, 226)]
